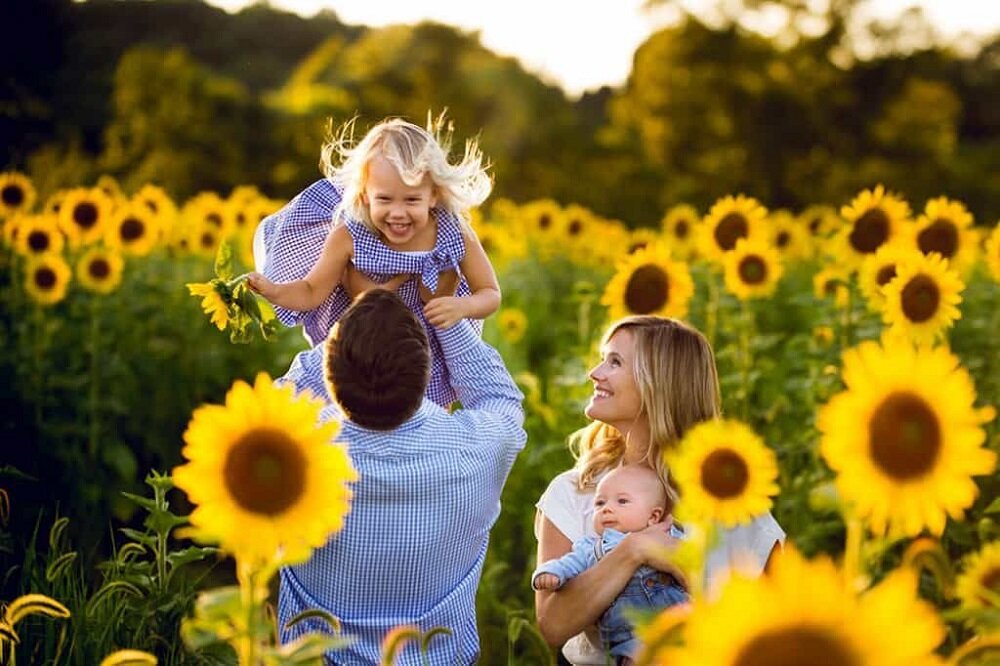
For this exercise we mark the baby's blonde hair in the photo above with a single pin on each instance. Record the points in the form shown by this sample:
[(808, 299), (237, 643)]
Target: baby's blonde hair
[(678, 387), (414, 151)]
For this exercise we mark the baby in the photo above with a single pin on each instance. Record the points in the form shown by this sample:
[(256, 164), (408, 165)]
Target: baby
[(628, 499)]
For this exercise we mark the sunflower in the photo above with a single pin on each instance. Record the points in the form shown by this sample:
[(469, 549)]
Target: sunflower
[(54, 202), (541, 221), (921, 301), (789, 237), (209, 210), (730, 219), (46, 278), (268, 481), (641, 238), (981, 572), (904, 437), (945, 227), (513, 324), (832, 282), (84, 215), (873, 218), (17, 194), (100, 270), (680, 227), (752, 269), (820, 221), (38, 234), (879, 269), (993, 253), (133, 229), (212, 302), (803, 612), (725, 472), (577, 224), (649, 282), (111, 187), (160, 204), (202, 237)]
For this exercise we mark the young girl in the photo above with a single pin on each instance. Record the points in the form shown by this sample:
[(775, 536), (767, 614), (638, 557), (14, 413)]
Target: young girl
[(394, 207)]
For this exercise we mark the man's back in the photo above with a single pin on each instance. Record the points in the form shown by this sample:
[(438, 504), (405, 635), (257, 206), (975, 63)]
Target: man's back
[(413, 546)]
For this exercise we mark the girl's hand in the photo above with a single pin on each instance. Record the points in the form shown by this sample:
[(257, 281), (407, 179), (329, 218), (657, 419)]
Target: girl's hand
[(654, 545), (261, 285), (445, 312)]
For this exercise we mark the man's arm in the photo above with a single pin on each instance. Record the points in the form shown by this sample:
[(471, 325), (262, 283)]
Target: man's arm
[(479, 375)]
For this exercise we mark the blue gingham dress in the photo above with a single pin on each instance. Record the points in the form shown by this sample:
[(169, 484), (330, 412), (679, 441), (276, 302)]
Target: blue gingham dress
[(289, 242)]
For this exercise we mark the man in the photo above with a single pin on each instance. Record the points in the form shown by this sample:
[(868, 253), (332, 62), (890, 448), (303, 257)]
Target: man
[(413, 545)]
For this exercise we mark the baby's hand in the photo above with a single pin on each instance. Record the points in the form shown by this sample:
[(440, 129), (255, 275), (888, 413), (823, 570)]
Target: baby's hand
[(261, 285), (445, 312), (546, 581)]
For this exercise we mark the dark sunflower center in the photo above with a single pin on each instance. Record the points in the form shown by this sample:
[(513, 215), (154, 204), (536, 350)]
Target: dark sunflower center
[(782, 239), (85, 215), (214, 219), (830, 287), (814, 225), (941, 236), (724, 474), (544, 221), (904, 436), (730, 229), (647, 290), (636, 246), (151, 205), (39, 241), (45, 278), (681, 229), (12, 195), (920, 298), (797, 646), (132, 229), (241, 219), (752, 270), (870, 231), (885, 275), (99, 268), (265, 471), (207, 240), (574, 228), (990, 581)]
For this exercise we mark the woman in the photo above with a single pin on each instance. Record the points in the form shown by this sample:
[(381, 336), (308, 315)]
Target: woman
[(656, 379)]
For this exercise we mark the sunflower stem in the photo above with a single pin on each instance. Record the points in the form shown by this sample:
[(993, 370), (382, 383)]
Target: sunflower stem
[(248, 604), (853, 576), (712, 310), (38, 323), (746, 353), (93, 395), (847, 321)]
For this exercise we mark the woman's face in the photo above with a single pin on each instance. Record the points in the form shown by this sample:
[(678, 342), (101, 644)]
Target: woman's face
[(616, 398)]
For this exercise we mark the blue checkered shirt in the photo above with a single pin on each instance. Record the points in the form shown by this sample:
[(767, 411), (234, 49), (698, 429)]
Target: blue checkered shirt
[(412, 547), (291, 240)]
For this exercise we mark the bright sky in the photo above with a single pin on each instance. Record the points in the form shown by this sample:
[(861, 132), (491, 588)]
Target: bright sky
[(583, 44)]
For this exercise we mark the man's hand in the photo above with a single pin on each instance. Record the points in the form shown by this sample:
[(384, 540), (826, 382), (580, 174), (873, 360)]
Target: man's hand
[(445, 312), (356, 283), (546, 581)]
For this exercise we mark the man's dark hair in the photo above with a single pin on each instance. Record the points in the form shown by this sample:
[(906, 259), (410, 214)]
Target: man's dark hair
[(378, 361)]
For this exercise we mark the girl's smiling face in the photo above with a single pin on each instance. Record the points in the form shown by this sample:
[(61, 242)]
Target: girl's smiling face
[(616, 399), (400, 212)]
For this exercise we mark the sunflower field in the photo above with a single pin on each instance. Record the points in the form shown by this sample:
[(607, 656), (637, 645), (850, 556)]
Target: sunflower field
[(857, 349)]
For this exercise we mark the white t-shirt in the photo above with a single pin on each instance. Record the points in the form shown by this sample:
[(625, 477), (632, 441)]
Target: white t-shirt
[(572, 511)]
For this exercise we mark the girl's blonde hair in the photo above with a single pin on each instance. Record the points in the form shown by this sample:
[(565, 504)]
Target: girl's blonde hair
[(674, 369), (414, 151)]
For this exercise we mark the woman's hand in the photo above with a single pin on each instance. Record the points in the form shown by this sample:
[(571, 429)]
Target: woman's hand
[(653, 546)]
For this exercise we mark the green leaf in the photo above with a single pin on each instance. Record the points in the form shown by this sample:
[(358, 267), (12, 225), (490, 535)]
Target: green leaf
[(188, 555), (308, 649), (994, 506), (224, 261), (316, 613), (162, 522), (109, 588), (139, 537), (144, 502)]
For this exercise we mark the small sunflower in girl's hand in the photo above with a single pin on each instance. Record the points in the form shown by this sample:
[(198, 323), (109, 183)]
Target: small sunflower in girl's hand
[(230, 303)]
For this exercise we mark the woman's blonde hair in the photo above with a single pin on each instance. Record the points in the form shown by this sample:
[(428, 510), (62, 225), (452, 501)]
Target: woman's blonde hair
[(674, 369), (414, 151)]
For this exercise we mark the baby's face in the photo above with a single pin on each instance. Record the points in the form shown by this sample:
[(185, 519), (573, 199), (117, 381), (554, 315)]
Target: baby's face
[(627, 501)]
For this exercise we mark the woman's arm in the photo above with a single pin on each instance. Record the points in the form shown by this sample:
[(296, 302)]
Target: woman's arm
[(579, 603), (310, 292), (485, 297)]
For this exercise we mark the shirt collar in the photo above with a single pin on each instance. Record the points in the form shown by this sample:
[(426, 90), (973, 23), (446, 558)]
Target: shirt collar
[(426, 410)]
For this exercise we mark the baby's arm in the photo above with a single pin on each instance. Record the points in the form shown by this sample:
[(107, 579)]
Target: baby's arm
[(484, 300), (553, 574), (309, 292)]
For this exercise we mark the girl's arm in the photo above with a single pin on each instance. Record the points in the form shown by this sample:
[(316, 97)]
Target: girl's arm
[(310, 292), (484, 300), (580, 602)]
